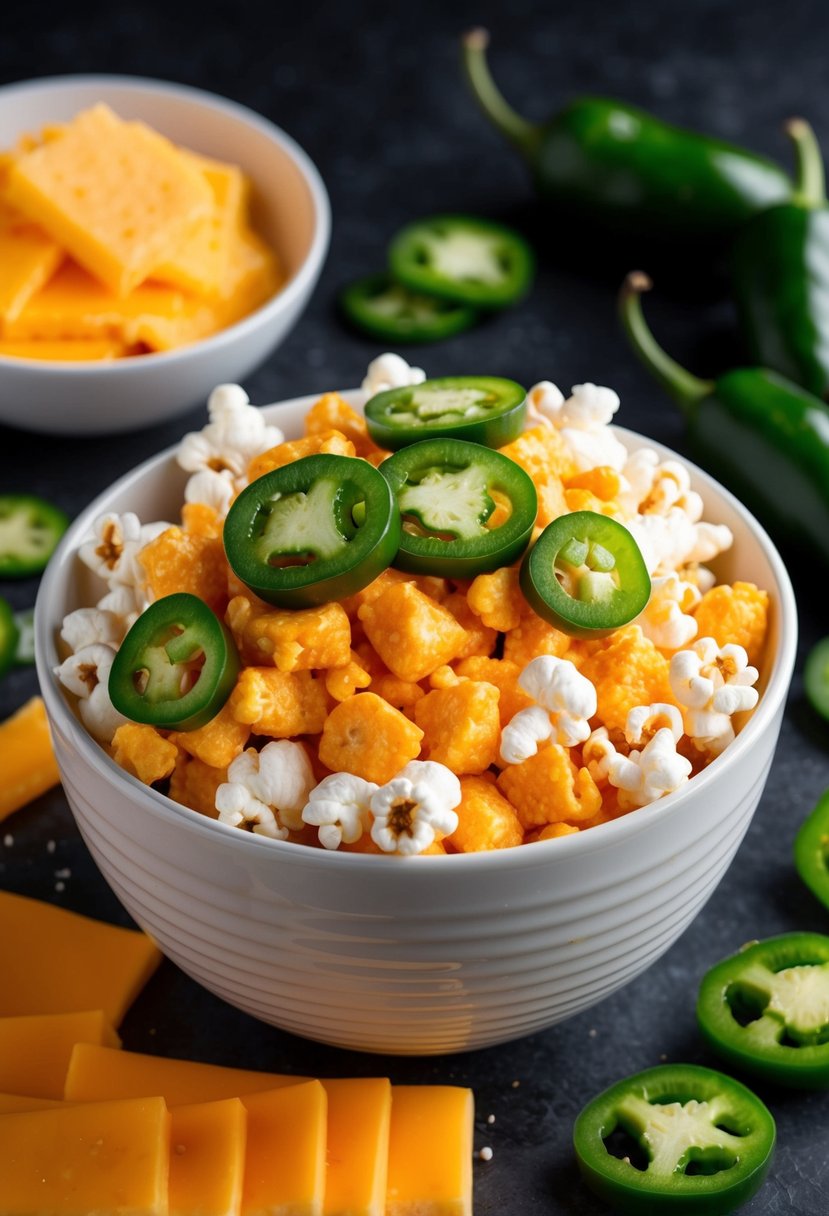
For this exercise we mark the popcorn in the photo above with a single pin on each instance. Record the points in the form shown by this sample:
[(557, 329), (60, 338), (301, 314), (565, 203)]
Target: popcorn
[(643, 776), (115, 542), (86, 674), (236, 432), (390, 371), (713, 683), (544, 402), (266, 791), (567, 695), (667, 618), (583, 419), (523, 733), (86, 626), (214, 488), (645, 720), (340, 808), (411, 809)]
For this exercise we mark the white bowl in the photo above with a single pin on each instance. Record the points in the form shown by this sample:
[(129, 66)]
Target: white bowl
[(415, 955), (291, 211)]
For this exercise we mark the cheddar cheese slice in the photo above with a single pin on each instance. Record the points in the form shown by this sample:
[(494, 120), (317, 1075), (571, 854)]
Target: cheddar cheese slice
[(35, 1049), (430, 1151), (86, 1160), (285, 1156), (207, 1158), (71, 350), (17, 1104), (98, 1073), (53, 961), (29, 769), (359, 1111), (28, 259), (117, 195)]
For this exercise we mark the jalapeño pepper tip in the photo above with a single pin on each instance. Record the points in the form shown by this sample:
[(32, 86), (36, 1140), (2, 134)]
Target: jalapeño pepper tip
[(636, 281), (476, 39)]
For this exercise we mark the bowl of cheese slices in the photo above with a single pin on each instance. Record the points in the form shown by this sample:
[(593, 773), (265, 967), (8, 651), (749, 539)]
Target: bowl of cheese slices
[(154, 240)]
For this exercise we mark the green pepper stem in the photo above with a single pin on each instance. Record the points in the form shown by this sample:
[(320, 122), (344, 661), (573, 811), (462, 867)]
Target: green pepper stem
[(524, 134), (685, 388), (810, 182)]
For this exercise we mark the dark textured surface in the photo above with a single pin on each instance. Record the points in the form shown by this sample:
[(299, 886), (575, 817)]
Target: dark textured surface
[(375, 96)]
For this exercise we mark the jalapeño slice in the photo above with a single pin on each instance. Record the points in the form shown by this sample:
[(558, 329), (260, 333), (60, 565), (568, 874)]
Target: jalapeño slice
[(318, 529), (480, 409), (9, 636), (385, 309), (811, 850), (675, 1138), (585, 575), (30, 529), (463, 258), (176, 667), (816, 677), (766, 1009), (465, 508)]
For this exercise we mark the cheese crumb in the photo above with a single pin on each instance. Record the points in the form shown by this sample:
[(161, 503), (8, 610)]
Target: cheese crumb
[(50, 846), (485, 1153), (8, 840), (490, 1119)]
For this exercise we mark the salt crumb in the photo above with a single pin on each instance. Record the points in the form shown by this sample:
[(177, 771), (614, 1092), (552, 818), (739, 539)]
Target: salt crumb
[(8, 840), (485, 1153), (592, 1032), (67, 873), (490, 1118), (663, 1057), (515, 1084), (50, 846), (60, 886)]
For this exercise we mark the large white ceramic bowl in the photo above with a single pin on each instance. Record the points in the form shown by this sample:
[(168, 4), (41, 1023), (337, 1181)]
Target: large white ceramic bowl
[(412, 955), (291, 211)]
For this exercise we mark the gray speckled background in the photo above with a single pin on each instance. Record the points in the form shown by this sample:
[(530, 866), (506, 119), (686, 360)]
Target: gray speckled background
[(373, 92)]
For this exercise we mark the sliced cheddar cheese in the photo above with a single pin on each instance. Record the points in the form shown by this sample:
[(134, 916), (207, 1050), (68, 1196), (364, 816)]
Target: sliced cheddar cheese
[(29, 769), (109, 1158), (430, 1151), (116, 195), (66, 349), (98, 1073), (359, 1112), (35, 1049), (53, 961), (285, 1156), (17, 1104), (207, 1158), (28, 259)]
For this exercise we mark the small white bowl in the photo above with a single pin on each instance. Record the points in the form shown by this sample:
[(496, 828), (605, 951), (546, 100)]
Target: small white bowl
[(291, 211), (420, 955)]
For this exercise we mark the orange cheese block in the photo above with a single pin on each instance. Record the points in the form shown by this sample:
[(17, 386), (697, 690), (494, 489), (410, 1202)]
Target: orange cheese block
[(108, 1158), (35, 1049), (98, 1073), (285, 1156), (28, 258), (73, 305), (359, 1111), (66, 349), (29, 769), (52, 961), (116, 195), (16, 1104), (430, 1151), (207, 1158)]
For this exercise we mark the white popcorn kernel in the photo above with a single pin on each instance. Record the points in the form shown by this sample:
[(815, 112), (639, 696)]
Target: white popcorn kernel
[(593, 449), (340, 808), (390, 371), (666, 619), (237, 431), (86, 674), (416, 804), (279, 776), (523, 733), (544, 402), (238, 808), (643, 721), (709, 540), (214, 489), (111, 550), (86, 626), (598, 754), (661, 770), (568, 696), (713, 683), (638, 473), (589, 406)]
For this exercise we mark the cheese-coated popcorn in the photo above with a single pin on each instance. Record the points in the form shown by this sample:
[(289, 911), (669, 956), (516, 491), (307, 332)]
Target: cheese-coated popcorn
[(497, 599), (461, 726), (549, 787), (194, 784), (541, 451), (533, 637), (504, 675), (480, 638), (328, 442), (486, 820), (332, 412), (368, 737), (343, 682), (626, 670), (144, 752), (218, 742), (277, 703), (292, 640), (181, 561), (411, 632), (738, 614), (201, 519)]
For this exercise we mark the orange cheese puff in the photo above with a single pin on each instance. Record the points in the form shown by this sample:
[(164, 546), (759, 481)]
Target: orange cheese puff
[(461, 726), (194, 784), (218, 742), (368, 737), (480, 638), (292, 641), (603, 482), (368, 594), (496, 598), (541, 451), (143, 752), (549, 788), (627, 670), (533, 637), (343, 682), (201, 520), (333, 412), (737, 614), (28, 762), (585, 500), (182, 561), (551, 500), (411, 632), (554, 830), (485, 819), (294, 449), (278, 703), (504, 675)]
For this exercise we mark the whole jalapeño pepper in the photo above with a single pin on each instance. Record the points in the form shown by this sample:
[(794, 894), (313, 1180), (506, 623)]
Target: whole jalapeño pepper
[(760, 434), (781, 275), (619, 167)]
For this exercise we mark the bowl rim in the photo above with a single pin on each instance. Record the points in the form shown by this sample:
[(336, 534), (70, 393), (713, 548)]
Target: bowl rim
[(283, 298), (602, 836)]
